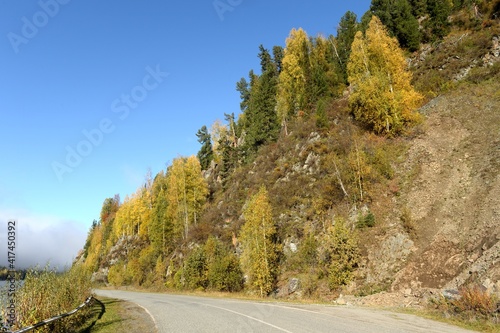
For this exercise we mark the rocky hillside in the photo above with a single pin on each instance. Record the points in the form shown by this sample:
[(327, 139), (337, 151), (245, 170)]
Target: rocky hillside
[(353, 211)]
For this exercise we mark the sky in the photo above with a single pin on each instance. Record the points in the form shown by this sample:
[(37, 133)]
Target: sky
[(93, 94)]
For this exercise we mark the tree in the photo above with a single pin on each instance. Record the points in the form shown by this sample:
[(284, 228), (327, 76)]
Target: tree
[(243, 88), (382, 96), (418, 8), (185, 194), (291, 96), (223, 269), (397, 16), (261, 121), (161, 231), (342, 252), (205, 155), (326, 78), (346, 31), (218, 131), (439, 10), (259, 259)]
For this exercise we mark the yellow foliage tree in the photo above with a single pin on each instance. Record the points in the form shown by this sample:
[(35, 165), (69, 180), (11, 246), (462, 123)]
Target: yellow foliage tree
[(259, 257), (218, 131), (186, 193), (94, 251), (291, 96), (382, 96)]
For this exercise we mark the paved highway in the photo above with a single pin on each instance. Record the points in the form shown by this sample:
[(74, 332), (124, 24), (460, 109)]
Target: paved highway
[(176, 313)]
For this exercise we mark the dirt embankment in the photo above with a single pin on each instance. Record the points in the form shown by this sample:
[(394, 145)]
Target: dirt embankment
[(451, 192)]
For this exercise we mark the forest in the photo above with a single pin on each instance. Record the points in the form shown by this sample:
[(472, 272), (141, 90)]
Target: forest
[(285, 187)]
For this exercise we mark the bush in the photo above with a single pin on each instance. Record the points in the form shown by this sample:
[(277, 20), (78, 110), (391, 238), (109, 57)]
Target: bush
[(195, 270), (367, 220), (214, 267), (224, 274), (473, 304), (47, 293), (341, 255)]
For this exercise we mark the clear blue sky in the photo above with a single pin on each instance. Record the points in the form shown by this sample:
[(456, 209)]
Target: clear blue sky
[(68, 66)]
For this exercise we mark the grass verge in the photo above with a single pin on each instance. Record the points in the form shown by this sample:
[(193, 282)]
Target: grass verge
[(109, 315)]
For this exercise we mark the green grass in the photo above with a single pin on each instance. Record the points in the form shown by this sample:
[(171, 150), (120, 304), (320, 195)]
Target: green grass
[(107, 316)]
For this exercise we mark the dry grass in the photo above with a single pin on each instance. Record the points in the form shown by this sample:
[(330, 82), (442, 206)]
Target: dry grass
[(47, 293), (474, 308)]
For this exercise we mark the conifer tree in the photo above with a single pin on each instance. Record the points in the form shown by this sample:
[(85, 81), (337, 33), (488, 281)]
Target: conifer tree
[(346, 31), (205, 155), (397, 16), (259, 257), (261, 120), (382, 96), (439, 10)]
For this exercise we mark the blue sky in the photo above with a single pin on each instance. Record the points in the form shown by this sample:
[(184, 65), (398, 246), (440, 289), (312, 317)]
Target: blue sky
[(124, 85)]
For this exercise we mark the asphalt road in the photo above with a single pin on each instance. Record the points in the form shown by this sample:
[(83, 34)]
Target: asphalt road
[(176, 313)]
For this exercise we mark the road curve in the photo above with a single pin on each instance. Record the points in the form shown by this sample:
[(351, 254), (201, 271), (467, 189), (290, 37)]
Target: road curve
[(176, 313)]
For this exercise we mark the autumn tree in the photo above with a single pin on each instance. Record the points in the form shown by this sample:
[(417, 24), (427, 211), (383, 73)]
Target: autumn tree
[(161, 231), (291, 95), (185, 194), (382, 96), (326, 78), (94, 252), (218, 131), (259, 259)]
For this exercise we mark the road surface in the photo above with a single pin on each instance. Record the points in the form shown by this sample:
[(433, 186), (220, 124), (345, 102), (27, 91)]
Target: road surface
[(176, 313)]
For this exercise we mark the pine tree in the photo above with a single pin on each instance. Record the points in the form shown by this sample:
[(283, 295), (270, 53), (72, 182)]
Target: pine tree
[(205, 155), (397, 16), (439, 10), (346, 31), (382, 96), (418, 8), (261, 120), (259, 257)]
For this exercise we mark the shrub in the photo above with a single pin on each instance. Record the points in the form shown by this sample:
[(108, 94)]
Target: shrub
[(46, 293), (473, 304), (341, 254), (367, 220), (195, 270)]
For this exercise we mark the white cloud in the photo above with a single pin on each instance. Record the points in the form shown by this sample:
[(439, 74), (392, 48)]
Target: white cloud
[(41, 239)]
